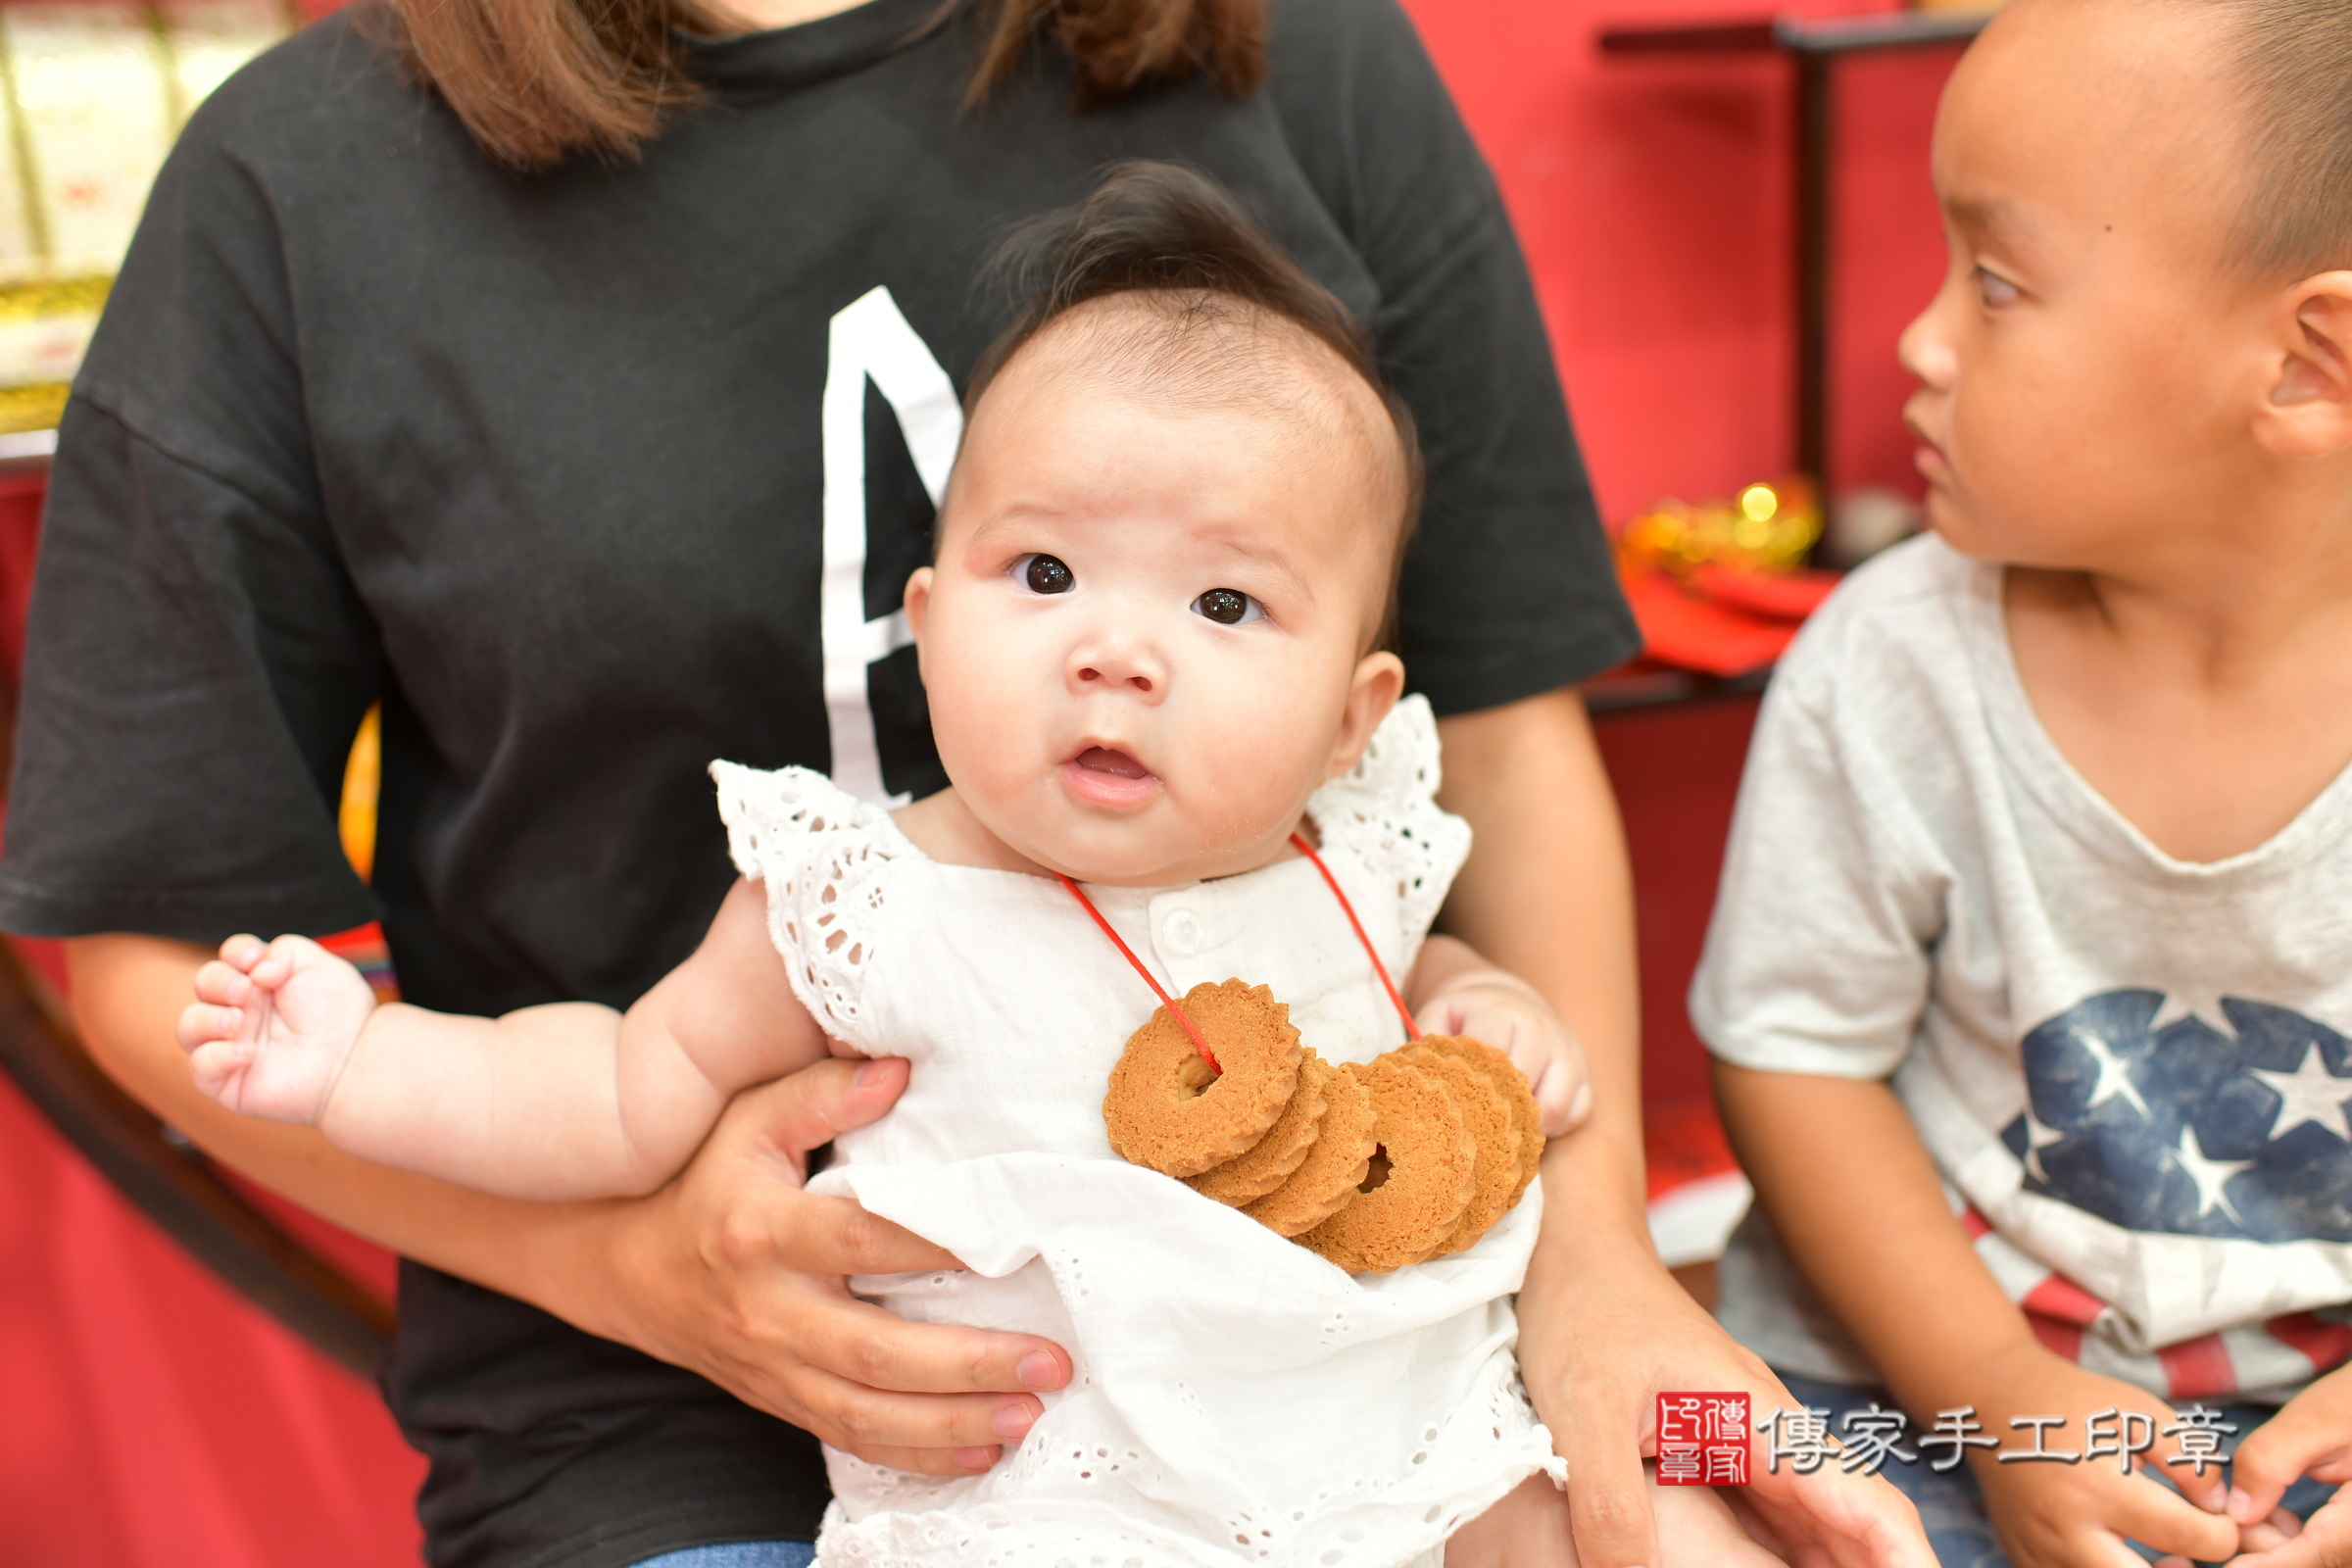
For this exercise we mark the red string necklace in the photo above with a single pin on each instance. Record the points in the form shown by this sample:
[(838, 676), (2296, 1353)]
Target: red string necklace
[(1200, 1045)]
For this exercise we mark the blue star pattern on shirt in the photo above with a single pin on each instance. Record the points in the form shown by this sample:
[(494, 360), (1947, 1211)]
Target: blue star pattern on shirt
[(2184, 1127)]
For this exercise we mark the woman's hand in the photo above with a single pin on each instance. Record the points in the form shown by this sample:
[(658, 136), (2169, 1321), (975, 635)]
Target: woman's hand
[(1599, 1343), (736, 1273)]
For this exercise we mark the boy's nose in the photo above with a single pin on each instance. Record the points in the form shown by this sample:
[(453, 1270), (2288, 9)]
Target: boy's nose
[(1926, 348)]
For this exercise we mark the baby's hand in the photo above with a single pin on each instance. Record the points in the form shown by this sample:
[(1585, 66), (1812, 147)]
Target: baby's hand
[(273, 1026), (1502, 1010)]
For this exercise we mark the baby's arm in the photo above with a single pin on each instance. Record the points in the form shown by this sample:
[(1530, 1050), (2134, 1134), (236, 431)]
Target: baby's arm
[(566, 1101), (1453, 991)]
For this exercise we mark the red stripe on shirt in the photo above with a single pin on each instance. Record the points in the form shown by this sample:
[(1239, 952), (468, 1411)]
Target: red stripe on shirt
[(2325, 1343), (2057, 1336), (2195, 1368), (2062, 1299), (1976, 1224)]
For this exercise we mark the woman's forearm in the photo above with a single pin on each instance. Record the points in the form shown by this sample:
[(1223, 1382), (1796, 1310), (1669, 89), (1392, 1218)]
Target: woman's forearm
[(1547, 895)]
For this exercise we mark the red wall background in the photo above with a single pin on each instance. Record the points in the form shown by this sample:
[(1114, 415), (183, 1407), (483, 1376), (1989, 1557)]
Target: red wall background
[(153, 1421)]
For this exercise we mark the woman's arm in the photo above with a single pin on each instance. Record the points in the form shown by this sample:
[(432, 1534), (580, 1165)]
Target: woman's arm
[(1604, 1329), (730, 1271), (564, 1099)]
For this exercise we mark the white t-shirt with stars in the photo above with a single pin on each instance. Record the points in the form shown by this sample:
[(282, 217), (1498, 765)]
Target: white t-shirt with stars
[(2132, 1071)]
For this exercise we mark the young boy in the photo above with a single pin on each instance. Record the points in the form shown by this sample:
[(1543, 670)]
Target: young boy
[(2031, 981)]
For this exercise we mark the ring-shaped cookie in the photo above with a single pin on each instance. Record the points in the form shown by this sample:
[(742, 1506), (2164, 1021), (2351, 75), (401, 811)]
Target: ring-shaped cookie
[(1169, 1111), (1510, 1083), (1420, 1182), (1336, 1164), (1495, 1175), (1267, 1163)]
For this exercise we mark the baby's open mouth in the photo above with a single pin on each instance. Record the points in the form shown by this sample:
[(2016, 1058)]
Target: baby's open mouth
[(1101, 760), (1109, 777)]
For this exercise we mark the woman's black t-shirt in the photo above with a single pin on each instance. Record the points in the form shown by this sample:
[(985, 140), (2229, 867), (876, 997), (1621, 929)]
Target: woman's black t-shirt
[(551, 465)]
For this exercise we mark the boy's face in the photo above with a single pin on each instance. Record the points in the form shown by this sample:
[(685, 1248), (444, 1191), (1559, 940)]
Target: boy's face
[(1144, 637), (2087, 364)]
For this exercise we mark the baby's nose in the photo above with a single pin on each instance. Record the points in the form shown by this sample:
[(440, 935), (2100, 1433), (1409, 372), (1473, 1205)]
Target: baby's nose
[(1116, 663)]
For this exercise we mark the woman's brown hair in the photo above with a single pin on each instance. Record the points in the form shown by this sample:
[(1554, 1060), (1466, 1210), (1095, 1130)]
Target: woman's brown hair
[(539, 81)]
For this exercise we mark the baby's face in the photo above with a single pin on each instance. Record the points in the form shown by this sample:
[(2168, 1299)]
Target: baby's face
[(1144, 640), (2087, 366)]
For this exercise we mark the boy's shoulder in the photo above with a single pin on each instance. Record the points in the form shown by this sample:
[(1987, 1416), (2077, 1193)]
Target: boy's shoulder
[(1914, 613)]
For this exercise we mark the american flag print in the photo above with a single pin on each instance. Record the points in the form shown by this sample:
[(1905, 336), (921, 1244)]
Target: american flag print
[(2166, 1115)]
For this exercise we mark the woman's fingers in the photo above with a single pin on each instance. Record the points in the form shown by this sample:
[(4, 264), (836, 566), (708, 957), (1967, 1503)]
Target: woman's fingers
[(882, 1352), (1608, 1494)]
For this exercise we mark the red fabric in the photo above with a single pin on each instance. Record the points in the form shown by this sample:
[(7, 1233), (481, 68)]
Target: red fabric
[(2326, 1344), (2062, 1299), (2058, 1337), (2195, 1368), (154, 1419), (1681, 628)]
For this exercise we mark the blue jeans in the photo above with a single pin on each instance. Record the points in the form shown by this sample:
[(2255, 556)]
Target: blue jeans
[(739, 1554), (1950, 1506)]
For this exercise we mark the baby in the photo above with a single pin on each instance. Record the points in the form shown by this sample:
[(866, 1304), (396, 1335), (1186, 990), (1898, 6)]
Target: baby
[(2031, 981), (1150, 642)]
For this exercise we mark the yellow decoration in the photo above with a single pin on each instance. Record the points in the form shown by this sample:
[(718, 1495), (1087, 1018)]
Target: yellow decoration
[(1769, 528), (91, 96), (363, 777)]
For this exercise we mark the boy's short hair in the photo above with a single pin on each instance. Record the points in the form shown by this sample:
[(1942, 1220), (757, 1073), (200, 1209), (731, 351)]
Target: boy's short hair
[(1174, 239), (2294, 59)]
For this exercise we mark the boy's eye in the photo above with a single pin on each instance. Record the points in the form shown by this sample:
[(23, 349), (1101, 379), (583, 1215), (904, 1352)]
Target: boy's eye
[(1993, 289), (1044, 575), (1228, 607)]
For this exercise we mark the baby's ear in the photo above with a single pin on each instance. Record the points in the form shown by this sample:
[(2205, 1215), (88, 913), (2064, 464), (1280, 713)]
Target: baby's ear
[(919, 603), (2308, 412), (1378, 682)]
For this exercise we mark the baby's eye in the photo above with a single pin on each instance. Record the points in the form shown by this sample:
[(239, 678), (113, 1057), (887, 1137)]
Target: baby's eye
[(1228, 607), (1993, 289), (1044, 575)]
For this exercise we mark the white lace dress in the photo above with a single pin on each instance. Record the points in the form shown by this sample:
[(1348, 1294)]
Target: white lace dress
[(1236, 1399)]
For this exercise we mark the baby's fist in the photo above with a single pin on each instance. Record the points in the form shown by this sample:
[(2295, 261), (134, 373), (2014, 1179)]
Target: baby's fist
[(1499, 1010), (272, 1025)]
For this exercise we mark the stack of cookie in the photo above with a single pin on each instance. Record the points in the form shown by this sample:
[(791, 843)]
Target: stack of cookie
[(1373, 1165)]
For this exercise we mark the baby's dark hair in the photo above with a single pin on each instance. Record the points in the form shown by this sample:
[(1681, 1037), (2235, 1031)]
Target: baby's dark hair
[(1181, 245), (2294, 58)]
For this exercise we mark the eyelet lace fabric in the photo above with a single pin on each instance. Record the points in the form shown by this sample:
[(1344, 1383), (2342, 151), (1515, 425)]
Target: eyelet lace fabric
[(1238, 1400), (825, 857), (1384, 811)]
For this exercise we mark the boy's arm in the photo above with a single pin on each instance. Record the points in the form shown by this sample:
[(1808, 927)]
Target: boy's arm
[(1853, 1197), (566, 1101)]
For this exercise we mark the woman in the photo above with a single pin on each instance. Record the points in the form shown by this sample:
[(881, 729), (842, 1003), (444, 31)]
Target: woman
[(579, 381)]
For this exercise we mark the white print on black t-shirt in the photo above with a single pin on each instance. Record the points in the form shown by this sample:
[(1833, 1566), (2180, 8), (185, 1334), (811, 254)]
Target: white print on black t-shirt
[(870, 339)]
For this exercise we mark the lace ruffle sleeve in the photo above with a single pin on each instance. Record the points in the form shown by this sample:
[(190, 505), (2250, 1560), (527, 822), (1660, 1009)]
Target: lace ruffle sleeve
[(1385, 811), (824, 855)]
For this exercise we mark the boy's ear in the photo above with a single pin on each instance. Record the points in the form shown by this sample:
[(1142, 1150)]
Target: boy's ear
[(2308, 412), (1378, 682)]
